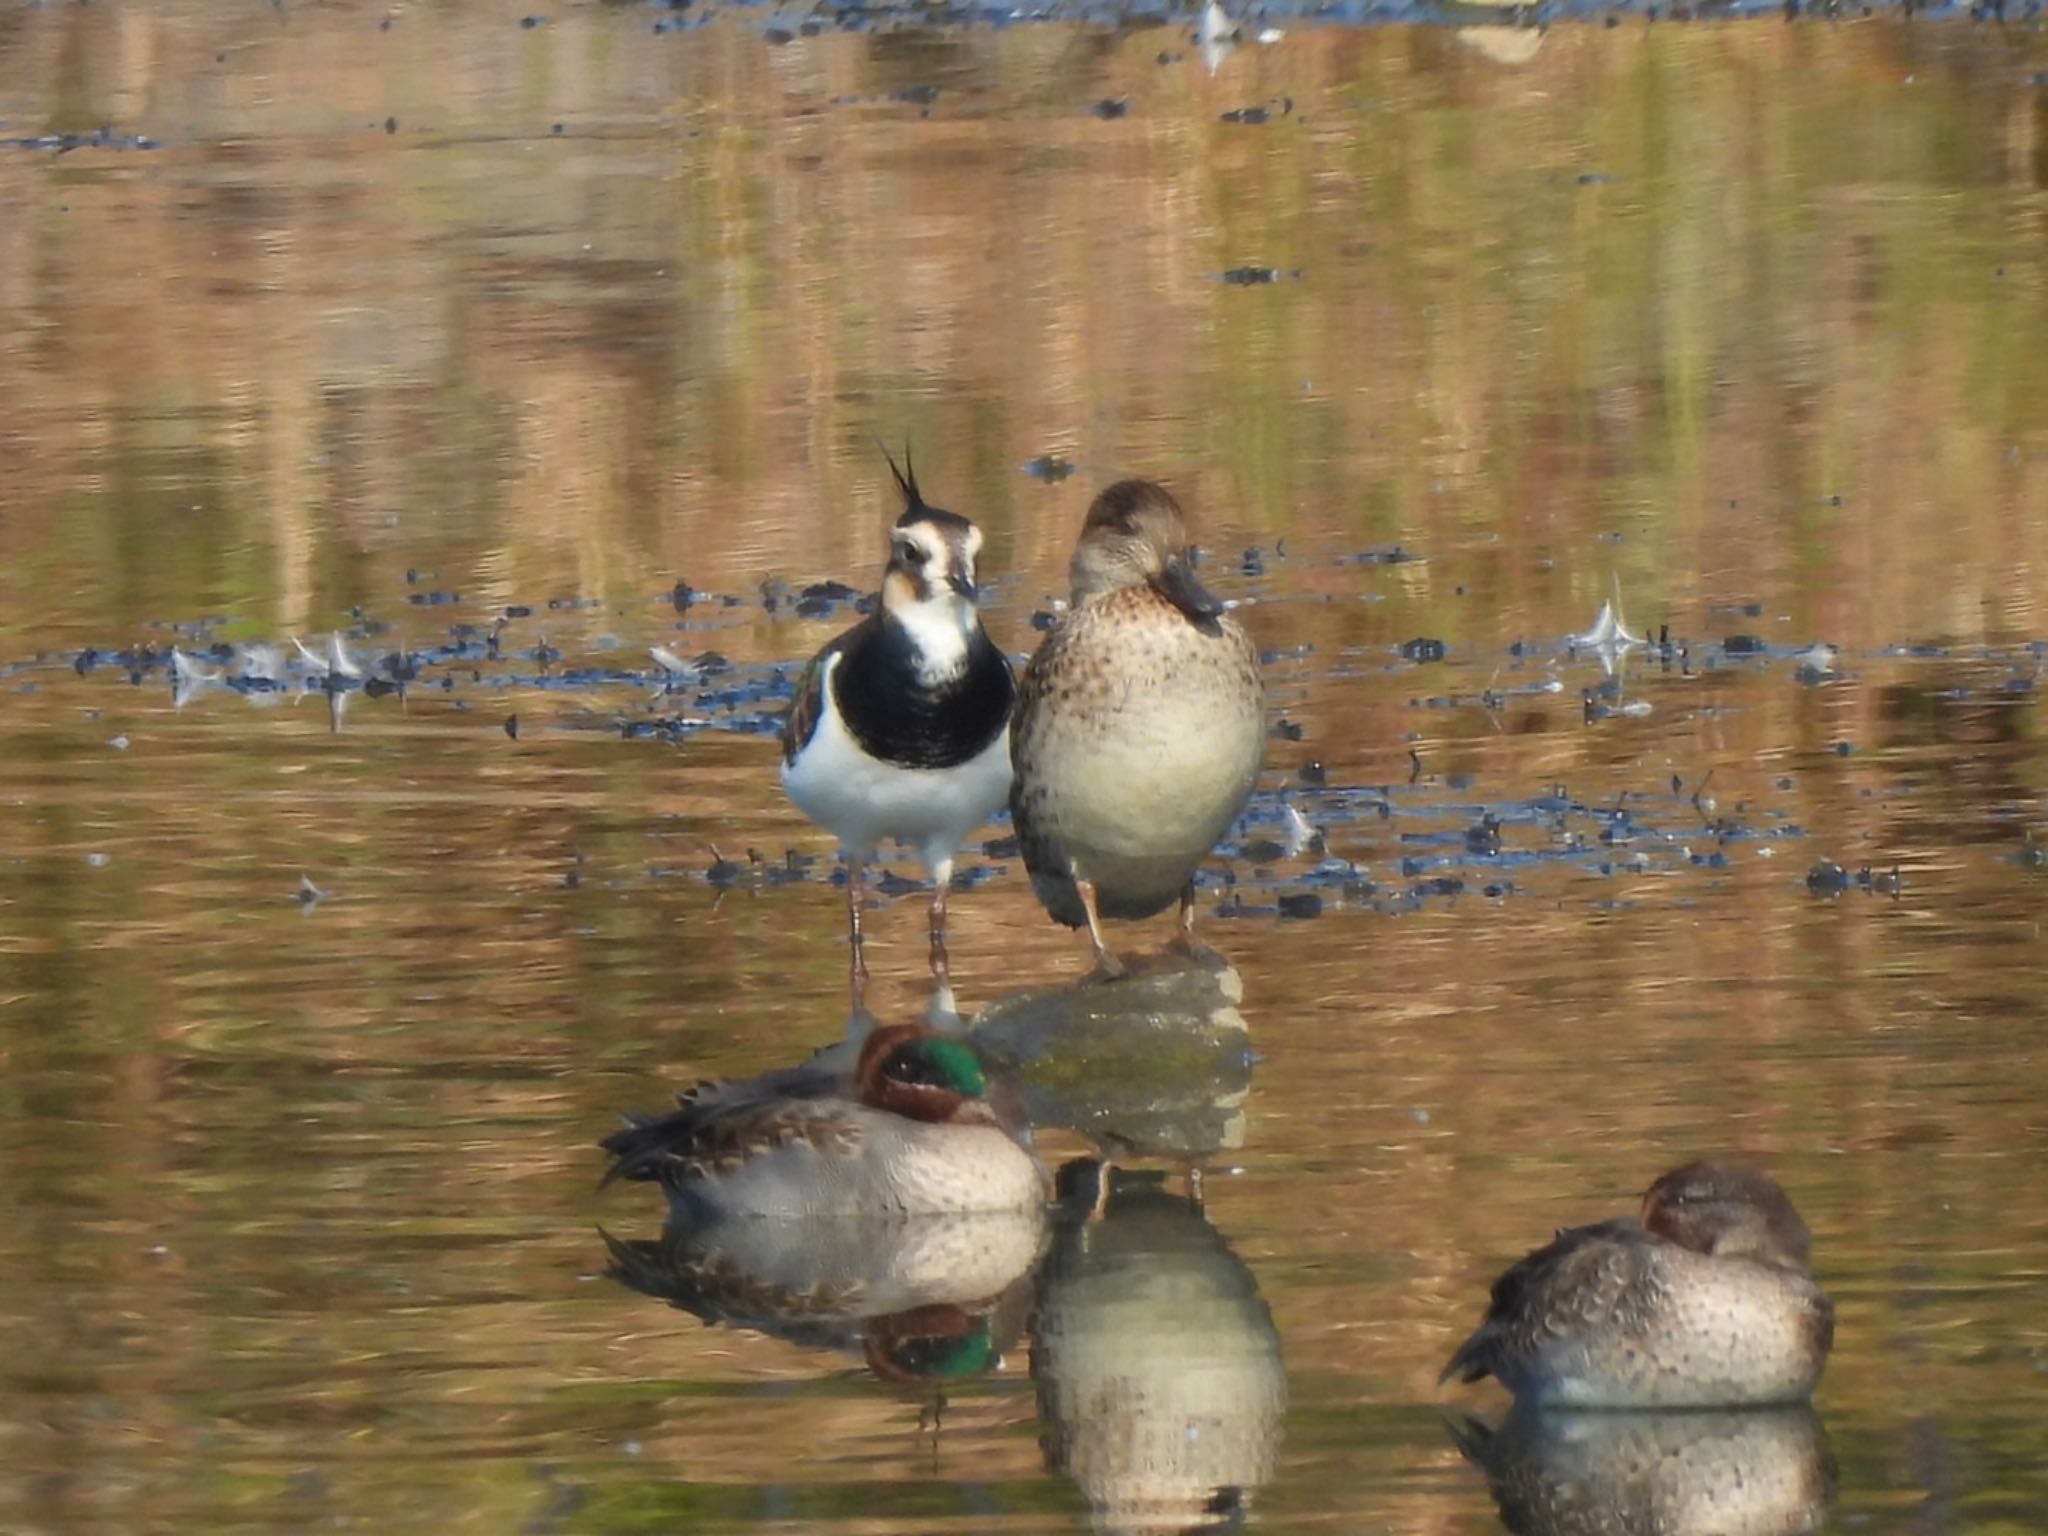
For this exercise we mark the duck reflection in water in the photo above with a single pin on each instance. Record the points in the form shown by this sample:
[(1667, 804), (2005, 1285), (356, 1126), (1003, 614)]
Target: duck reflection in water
[(1160, 1382), (1564, 1472), (1155, 1063), (924, 1301)]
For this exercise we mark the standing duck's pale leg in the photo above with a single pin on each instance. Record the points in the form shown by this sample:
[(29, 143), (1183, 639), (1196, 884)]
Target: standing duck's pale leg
[(1104, 960), (1186, 942)]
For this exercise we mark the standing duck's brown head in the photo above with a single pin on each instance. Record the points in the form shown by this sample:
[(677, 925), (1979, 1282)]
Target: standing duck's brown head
[(1135, 536)]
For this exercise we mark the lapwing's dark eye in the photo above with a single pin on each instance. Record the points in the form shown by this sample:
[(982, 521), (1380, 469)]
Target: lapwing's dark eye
[(913, 554)]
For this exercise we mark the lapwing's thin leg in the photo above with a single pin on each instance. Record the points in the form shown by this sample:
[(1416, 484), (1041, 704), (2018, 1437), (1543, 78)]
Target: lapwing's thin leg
[(1104, 960), (942, 881), (857, 963)]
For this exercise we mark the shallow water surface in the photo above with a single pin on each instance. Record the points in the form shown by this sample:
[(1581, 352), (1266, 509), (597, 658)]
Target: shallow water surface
[(507, 352)]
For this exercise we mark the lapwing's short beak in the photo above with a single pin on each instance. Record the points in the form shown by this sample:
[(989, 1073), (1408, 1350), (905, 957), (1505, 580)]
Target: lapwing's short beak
[(964, 585)]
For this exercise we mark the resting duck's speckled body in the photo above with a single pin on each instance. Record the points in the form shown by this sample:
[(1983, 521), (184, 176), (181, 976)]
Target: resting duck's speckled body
[(919, 1130), (1704, 1301)]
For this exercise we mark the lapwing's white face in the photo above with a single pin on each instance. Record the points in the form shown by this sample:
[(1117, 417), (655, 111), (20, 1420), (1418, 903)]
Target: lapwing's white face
[(928, 587), (935, 561), (931, 563)]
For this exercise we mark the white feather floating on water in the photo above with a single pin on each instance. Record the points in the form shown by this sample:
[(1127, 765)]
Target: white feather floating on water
[(1215, 35), (1300, 833), (670, 662), (337, 662), (190, 678), (1608, 631), (186, 669)]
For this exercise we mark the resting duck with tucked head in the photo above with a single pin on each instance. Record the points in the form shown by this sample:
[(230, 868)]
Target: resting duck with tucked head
[(1705, 1300), (919, 1129)]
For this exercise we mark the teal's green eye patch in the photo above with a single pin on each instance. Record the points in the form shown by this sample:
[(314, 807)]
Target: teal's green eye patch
[(949, 1064), (960, 1065), (946, 1358)]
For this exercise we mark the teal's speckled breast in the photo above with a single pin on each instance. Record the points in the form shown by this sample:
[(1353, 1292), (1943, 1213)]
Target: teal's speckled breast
[(1138, 737)]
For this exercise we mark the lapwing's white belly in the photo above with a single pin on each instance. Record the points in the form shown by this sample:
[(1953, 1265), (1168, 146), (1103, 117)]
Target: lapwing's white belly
[(866, 801)]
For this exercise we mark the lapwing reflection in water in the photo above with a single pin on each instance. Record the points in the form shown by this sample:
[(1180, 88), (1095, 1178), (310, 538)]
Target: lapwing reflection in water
[(1564, 1472), (1155, 1064), (1160, 1383)]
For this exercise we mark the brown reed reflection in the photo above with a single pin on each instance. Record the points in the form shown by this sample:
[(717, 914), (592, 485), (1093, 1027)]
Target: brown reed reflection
[(333, 340)]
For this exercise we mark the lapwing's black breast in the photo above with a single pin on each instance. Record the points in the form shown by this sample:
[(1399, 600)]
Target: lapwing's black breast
[(898, 717)]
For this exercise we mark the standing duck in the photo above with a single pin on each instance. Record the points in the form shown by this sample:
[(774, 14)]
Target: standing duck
[(1705, 1301), (1140, 727), (900, 726), (919, 1130)]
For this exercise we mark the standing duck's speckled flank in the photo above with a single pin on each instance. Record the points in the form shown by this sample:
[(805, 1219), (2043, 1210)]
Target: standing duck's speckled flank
[(920, 1130), (900, 727), (1141, 723), (1706, 1301)]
